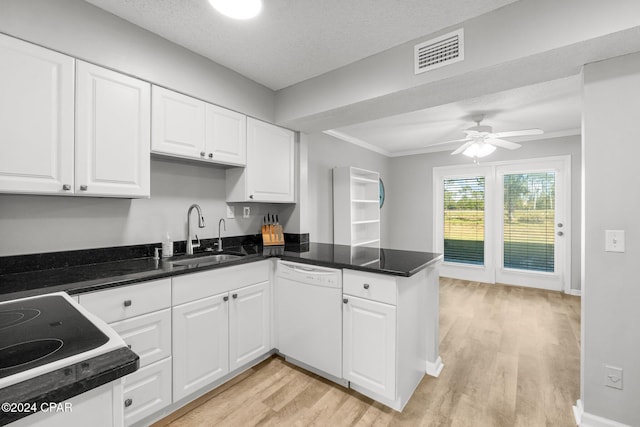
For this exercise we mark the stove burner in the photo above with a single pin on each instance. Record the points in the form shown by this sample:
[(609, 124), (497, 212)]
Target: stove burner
[(17, 317), (28, 352)]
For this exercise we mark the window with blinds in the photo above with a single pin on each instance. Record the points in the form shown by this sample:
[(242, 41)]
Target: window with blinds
[(464, 220), (529, 217)]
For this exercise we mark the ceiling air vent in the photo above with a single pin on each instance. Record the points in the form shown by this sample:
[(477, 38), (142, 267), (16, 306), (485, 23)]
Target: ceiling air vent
[(438, 52)]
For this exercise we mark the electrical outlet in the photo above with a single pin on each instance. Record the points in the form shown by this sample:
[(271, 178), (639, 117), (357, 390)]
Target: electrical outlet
[(613, 377), (246, 212), (231, 212)]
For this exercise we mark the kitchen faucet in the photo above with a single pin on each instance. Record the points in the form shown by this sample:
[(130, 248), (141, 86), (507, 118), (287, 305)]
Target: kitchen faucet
[(190, 244), (220, 238)]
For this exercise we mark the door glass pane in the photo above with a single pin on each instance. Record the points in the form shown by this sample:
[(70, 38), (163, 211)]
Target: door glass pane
[(529, 216), (464, 220)]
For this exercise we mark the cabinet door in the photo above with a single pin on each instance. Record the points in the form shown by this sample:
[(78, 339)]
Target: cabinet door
[(249, 324), (200, 344), (226, 136), (178, 125), (113, 120), (147, 390), (148, 335), (36, 119), (270, 162), (369, 333)]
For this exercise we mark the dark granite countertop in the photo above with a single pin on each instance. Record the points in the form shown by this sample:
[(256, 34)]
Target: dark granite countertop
[(91, 277), (67, 382)]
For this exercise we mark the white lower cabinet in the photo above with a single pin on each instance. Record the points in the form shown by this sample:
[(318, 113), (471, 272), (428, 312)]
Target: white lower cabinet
[(147, 390), (200, 344), (218, 324), (100, 407), (249, 324), (369, 350), (141, 314)]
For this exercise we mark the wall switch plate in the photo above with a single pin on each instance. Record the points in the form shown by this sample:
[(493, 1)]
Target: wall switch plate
[(231, 212), (613, 377), (246, 212), (614, 241)]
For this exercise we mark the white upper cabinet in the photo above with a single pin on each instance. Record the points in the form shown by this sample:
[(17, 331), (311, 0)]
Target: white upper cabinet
[(178, 124), (113, 120), (36, 119), (226, 136), (190, 128), (269, 175)]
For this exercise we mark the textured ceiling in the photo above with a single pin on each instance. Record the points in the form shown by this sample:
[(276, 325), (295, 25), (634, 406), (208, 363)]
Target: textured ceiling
[(294, 40)]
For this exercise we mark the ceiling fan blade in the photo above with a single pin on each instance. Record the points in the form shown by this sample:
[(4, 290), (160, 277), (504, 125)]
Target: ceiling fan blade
[(523, 132), (463, 147), (449, 142), (503, 143)]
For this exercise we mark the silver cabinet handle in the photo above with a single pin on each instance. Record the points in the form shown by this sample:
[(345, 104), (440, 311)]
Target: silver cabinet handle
[(129, 345), (128, 402), (366, 286), (211, 155), (202, 153), (345, 300), (251, 196), (83, 188), (127, 303), (560, 225), (225, 298), (234, 296), (66, 187), (560, 233)]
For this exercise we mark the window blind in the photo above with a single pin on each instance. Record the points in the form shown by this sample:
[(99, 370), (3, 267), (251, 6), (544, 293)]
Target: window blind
[(464, 220), (529, 217)]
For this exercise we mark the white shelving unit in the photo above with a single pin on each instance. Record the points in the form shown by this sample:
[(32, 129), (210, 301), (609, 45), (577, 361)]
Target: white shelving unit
[(356, 210)]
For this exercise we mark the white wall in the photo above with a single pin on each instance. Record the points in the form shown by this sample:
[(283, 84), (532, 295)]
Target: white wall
[(410, 193), (324, 153), (34, 224), (611, 292), (84, 31)]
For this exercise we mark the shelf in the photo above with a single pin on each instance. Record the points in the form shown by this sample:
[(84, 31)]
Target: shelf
[(364, 180), (365, 242), (368, 221)]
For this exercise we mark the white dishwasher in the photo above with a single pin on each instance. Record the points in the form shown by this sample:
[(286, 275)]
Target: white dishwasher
[(309, 317)]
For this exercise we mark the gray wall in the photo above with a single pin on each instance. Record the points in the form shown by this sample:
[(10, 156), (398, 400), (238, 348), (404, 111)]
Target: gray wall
[(84, 31), (611, 293), (410, 193), (34, 224), (324, 153)]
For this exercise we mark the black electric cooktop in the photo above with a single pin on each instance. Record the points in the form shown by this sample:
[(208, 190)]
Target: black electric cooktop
[(37, 331)]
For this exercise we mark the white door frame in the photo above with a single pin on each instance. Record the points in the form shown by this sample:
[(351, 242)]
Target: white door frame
[(494, 222)]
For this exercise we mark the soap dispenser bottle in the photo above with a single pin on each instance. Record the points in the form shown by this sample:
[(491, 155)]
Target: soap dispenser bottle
[(167, 246)]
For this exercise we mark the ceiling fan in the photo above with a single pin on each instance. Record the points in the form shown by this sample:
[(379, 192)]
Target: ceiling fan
[(482, 141)]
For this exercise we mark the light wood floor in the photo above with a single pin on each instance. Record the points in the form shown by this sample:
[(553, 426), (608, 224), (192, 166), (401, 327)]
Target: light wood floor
[(511, 354)]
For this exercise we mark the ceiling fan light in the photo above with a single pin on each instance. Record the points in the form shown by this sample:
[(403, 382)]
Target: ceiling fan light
[(479, 150), (237, 9)]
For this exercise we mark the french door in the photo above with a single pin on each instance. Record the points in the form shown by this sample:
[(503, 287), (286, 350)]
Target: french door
[(505, 222)]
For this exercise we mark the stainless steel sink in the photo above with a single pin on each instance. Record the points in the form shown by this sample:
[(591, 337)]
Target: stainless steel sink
[(207, 259)]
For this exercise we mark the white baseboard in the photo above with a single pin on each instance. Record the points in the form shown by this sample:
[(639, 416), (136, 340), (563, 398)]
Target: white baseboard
[(434, 368), (585, 419), (576, 292)]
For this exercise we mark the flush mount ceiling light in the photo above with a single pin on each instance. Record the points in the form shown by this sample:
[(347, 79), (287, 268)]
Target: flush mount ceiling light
[(237, 9)]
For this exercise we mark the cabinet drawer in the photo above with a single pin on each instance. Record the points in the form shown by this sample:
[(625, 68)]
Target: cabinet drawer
[(147, 390), (375, 287), (148, 335), (128, 301), (191, 287)]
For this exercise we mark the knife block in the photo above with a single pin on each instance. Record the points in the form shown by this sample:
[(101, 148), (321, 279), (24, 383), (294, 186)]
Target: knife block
[(272, 235)]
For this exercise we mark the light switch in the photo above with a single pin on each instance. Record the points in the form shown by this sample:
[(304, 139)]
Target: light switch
[(613, 377), (231, 212), (614, 241)]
